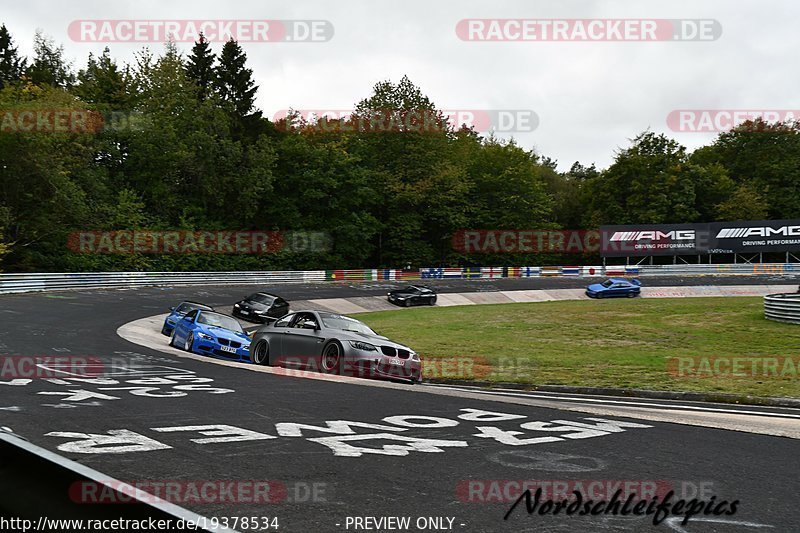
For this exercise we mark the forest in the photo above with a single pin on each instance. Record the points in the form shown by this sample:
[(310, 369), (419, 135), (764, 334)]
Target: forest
[(174, 141)]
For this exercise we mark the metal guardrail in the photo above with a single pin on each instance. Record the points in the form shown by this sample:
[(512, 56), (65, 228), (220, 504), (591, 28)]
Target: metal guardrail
[(12, 283), (783, 307), (720, 269), (16, 283)]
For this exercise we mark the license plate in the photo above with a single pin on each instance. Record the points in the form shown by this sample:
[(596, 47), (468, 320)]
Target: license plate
[(397, 362), (245, 312), (230, 349)]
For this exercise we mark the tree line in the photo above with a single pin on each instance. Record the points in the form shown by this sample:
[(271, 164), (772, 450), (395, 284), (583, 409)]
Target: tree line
[(183, 146)]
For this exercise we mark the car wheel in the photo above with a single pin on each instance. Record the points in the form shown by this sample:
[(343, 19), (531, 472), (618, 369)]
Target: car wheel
[(172, 339), (331, 358), (432, 301), (407, 303), (187, 344), (164, 330), (599, 295), (261, 354)]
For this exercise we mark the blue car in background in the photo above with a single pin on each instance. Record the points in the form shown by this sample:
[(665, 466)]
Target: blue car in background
[(178, 312), (615, 288), (211, 333)]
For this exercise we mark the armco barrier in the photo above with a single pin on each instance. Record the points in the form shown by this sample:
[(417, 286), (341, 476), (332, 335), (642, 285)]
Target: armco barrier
[(782, 307), (13, 283)]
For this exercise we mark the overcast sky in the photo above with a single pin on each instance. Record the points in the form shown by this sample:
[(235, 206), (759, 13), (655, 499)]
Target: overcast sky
[(590, 97)]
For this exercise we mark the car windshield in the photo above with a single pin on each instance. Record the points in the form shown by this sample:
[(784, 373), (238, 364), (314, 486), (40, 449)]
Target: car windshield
[(187, 307), (346, 324), (261, 298), (608, 283), (222, 321)]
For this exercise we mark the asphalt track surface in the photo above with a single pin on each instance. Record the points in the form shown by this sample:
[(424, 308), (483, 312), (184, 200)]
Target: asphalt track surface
[(146, 418)]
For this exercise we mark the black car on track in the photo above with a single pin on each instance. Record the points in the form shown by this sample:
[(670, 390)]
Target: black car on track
[(261, 307), (412, 295)]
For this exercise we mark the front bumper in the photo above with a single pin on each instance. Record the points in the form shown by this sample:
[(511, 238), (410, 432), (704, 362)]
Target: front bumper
[(359, 363), (251, 316), (215, 349)]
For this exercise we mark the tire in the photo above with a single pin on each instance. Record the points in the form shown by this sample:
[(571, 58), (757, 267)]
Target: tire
[(260, 354), (187, 344), (631, 295), (331, 358), (164, 330), (432, 301), (407, 303), (599, 295), (172, 339)]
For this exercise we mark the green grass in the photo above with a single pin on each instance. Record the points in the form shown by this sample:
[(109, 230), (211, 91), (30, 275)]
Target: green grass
[(605, 343)]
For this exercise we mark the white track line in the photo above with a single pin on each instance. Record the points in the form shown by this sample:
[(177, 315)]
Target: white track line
[(625, 402)]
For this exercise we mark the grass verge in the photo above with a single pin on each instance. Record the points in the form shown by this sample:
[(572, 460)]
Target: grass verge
[(622, 343)]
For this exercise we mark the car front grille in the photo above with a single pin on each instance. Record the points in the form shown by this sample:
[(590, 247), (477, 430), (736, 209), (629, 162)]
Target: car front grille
[(226, 342), (391, 351)]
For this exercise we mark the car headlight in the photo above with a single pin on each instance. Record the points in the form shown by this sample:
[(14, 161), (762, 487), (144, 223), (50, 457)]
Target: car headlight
[(367, 347), (414, 356), (205, 336), (172, 322)]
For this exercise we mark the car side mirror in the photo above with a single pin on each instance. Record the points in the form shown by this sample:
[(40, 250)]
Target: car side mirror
[(187, 318), (171, 309)]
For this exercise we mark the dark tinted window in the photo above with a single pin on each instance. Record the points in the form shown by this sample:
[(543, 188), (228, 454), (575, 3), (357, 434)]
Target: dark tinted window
[(608, 283), (185, 307), (284, 322), (346, 323), (222, 321), (262, 299)]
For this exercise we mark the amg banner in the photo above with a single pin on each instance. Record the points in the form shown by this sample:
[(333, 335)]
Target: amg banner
[(692, 239), (654, 239), (754, 236)]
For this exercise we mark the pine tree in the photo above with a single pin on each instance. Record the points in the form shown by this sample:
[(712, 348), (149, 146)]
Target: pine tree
[(102, 82), (49, 66), (11, 65), (200, 68), (235, 84)]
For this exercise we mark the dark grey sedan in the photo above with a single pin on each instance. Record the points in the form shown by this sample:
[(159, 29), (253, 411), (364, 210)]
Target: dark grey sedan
[(261, 307), (335, 344)]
